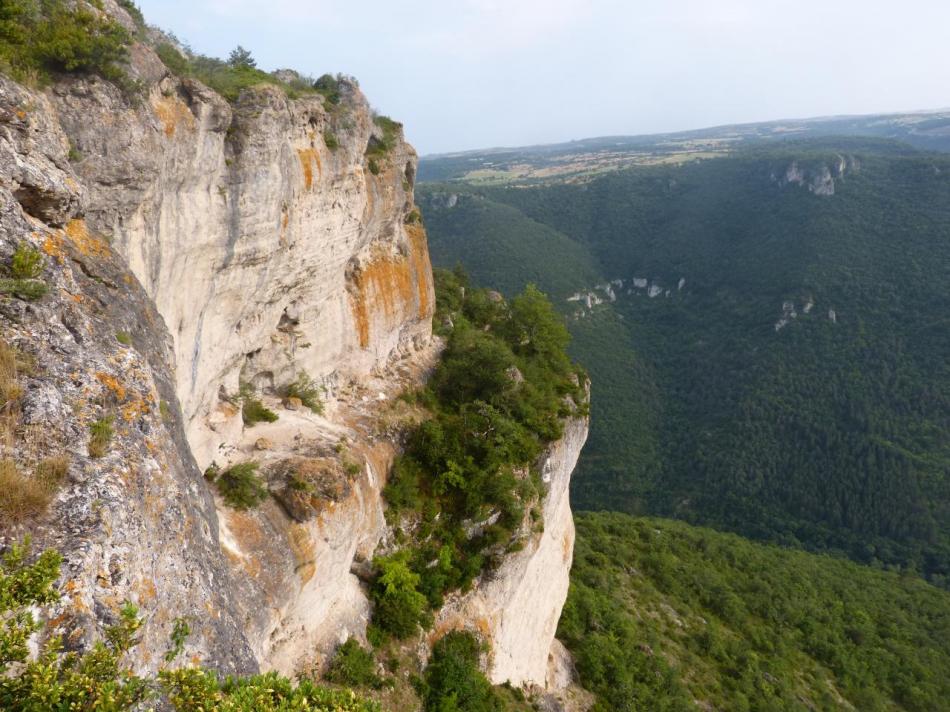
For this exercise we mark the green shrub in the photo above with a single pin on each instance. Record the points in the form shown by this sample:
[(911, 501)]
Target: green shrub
[(330, 140), (100, 679), (228, 78), (240, 486), (173, 59), (26, 266), (329, 87), (134, 12), (199, 689), (373, 166), (27, 262), (29, 289), (353, 666), (381, 145), (253, 411), (49, 36), (304, 388), (124, 338), (100, 435), (453, 680), (399, 607)]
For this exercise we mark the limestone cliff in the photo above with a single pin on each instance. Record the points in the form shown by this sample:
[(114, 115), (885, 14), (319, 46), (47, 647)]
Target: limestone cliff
[(191, 246), (517, 607)]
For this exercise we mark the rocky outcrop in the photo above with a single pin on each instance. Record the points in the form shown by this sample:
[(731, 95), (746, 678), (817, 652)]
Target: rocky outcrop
[(136, 524), (517, 606), (266, 251)]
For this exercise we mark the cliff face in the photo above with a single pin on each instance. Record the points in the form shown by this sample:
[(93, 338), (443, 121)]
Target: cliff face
[(136, 524), (270, 244), (518, 606), (265, 251)]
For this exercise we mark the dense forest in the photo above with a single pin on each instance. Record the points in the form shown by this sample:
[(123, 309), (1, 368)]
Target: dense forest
[(767, 336), (662, 616)]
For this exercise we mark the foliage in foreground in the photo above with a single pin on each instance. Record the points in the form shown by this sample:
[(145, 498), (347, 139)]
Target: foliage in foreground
[(39, 38), (499, 394), (101, 678), (660, 614)]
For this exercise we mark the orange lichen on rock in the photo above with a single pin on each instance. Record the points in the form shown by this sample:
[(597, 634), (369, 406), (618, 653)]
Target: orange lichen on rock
[(383, 285), (394, 287), (113, 384), (145, 588), (304, 551), (86, 243), (135, 409), (309, 156), (172, 111), (419, 255), (53, 246)]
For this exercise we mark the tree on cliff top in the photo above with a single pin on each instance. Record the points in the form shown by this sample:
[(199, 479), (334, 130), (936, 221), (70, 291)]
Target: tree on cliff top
[(241, 58)]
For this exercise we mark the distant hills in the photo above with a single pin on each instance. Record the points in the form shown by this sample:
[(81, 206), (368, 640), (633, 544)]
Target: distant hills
[(579, 160), (767, 331)]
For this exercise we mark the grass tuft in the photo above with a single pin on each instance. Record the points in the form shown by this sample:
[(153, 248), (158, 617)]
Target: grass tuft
[(100, 435)]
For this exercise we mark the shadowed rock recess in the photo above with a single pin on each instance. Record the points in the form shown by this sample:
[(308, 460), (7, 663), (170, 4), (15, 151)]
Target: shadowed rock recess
[(198, 253)]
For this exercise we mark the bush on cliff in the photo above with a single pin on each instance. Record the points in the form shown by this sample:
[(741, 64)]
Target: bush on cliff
[(468, 473), (42, 37), (453, 680), (354, 666), (102, 678), (241, 487)]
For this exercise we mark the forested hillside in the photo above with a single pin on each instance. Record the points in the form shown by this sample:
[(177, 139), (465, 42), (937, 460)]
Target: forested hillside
[(662, 616), (767, 334)]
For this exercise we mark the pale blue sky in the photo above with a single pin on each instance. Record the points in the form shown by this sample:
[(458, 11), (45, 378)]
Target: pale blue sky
[(477, 73)]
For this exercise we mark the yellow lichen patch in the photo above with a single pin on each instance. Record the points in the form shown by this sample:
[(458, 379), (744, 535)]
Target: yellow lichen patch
[(309, 156), (249, 536), (53, 246), (146, 591), (113, 384), (135, 409), (172, 112), (304, 551), (86, 243), (383, 285), (419, 255)]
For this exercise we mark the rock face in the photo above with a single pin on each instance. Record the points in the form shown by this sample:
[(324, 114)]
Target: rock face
[(137, 524), (265, 251), (229, 245), (517, 607)]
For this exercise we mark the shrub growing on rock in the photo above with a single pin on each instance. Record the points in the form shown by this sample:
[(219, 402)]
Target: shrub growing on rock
[(40, 38), (453, 680), (100, 435), (240, 486), (304, 388), (253, 410), (399, 605), (101, 679), (353, 666)]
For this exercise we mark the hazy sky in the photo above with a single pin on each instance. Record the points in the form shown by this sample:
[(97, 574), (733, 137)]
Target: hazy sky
[(477, 73)]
